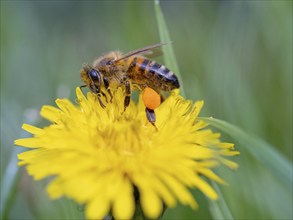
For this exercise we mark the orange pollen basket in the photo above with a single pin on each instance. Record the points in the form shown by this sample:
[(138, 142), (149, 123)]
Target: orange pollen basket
[(151, 98)]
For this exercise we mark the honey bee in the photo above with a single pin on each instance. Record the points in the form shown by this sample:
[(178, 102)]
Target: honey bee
[(130, 71)]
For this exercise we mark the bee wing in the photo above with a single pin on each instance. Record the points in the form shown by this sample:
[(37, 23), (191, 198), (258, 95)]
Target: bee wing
[(145, 50)]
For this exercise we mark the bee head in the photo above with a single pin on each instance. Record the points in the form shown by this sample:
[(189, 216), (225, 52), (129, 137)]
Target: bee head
[(90, 76)]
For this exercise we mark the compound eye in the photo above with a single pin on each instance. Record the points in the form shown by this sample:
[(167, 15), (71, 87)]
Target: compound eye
[(94, 75)]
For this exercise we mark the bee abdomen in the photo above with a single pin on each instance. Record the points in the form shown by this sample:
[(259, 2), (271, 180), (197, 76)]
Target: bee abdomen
[(164, 73), (153, 71), (160, 70)]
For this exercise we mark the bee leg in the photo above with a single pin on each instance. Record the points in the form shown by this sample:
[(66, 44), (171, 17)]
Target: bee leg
[(162, 98), (128, 93), (151, 116), (97, 91), (106, 84), (104, 96), (82, 86), (100, 100)]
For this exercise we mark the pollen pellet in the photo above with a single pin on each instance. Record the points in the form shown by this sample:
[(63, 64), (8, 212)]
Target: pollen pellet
[(151, 98)]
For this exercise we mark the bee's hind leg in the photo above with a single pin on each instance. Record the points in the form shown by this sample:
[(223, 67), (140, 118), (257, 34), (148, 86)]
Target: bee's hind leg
[(151, 116)]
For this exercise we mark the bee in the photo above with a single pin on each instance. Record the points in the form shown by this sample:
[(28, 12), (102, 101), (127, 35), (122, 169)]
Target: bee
[(130, 71)]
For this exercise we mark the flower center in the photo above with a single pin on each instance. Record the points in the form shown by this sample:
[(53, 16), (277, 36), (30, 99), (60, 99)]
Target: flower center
[(126, 138)]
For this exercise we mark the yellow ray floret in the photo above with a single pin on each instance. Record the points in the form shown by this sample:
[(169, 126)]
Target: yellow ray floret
[(111, 160)]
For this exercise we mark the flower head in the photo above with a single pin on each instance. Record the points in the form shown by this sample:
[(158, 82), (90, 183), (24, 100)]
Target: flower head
[(109, 159)]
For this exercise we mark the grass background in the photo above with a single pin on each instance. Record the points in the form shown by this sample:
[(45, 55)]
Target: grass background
[(236, 55)]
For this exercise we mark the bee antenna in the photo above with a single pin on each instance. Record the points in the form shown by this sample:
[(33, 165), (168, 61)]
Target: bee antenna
[(169, 42), (85, 65), (140, 51)]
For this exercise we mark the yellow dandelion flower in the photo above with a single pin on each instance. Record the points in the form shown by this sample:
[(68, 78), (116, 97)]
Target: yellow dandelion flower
[(111, 160)]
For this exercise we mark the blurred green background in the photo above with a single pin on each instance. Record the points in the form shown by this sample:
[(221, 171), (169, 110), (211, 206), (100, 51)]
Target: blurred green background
[(235, 55)]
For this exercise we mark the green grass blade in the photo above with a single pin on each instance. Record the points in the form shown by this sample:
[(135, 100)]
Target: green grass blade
[(9, 186), (262, 151), (168, 51), (219, 209)]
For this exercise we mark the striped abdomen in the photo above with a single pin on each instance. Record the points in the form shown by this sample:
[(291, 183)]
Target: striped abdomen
[(149, 73)]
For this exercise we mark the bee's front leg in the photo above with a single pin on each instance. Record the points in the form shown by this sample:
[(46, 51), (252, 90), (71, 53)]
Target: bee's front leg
[(97, 91), (81, 87), (128, 94), (100, 100)]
